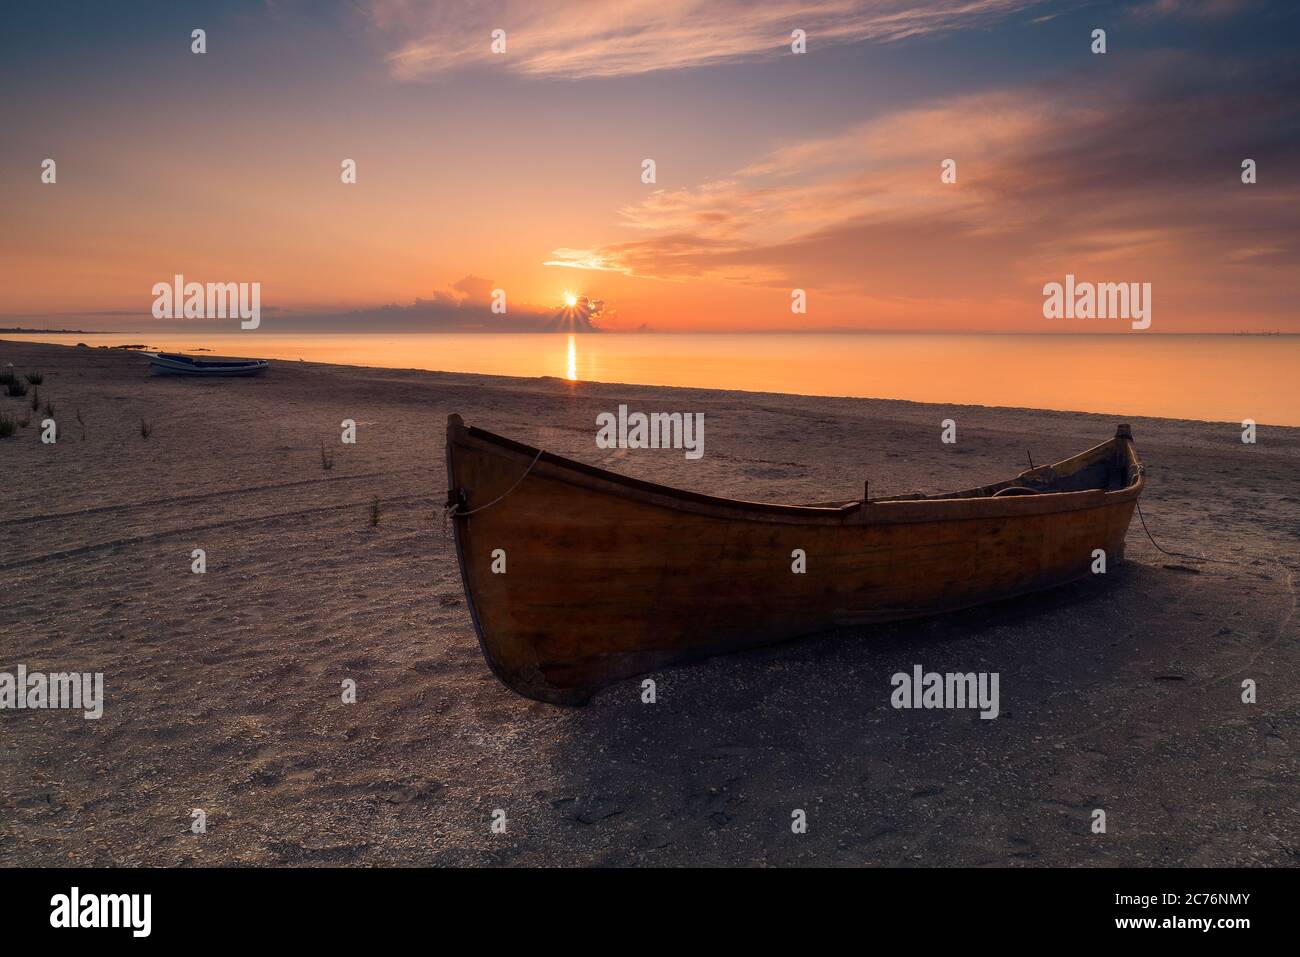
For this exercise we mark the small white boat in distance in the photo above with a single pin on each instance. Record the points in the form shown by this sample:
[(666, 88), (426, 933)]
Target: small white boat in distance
[(171, 363)]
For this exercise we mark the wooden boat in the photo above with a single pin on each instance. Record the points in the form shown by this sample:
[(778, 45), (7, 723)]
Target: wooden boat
[(173, 363), (600, 577)]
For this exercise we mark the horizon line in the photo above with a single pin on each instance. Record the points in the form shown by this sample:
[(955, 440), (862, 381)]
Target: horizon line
[(20, 330)]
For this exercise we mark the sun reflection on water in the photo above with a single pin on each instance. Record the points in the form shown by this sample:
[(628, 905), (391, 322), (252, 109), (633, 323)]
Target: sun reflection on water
[(573, 358)]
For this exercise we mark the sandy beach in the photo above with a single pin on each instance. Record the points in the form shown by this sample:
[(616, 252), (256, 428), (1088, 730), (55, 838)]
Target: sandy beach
[(223, 689)]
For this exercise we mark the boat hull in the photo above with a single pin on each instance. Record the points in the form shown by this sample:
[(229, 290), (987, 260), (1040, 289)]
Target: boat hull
[(606, 577), (205, 368)]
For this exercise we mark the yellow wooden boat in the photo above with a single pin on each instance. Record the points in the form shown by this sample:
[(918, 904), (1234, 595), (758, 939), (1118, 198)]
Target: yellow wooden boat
[(577, 577)]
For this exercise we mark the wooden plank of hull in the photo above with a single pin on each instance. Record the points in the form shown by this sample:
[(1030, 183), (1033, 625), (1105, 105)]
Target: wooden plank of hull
[(608, 577)]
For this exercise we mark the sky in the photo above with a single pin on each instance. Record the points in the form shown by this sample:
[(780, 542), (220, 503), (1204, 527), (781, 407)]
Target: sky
[(775, 171)]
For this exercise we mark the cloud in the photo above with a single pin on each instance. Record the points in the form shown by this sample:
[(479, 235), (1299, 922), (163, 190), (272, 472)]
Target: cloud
[(583, 259), (1137, 179), (466, 306), (585, 316), (596, 38)]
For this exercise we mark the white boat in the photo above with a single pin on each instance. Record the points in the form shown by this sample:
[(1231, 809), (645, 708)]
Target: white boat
[(171, 363)]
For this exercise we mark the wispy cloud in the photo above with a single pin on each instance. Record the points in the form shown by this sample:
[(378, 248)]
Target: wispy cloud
[(597, 38), (1124, 179), (588, 259)]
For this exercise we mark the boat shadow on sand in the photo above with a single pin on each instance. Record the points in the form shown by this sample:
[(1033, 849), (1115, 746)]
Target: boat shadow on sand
[(734, 744), (1040, 636)]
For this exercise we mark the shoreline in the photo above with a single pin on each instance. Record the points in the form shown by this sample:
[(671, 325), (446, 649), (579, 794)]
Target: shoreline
[(222, 689), (278, 362)]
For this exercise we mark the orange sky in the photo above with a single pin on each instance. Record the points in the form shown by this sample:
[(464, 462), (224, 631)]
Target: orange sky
[(776, 171)]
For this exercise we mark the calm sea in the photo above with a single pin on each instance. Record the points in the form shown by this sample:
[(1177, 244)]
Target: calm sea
[(1223, 378)]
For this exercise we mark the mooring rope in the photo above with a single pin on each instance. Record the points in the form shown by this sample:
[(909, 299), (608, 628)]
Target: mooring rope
[(453, 509), (1195, 558)]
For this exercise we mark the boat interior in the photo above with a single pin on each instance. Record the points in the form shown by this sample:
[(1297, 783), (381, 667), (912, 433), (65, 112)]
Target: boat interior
[(1108, 467)]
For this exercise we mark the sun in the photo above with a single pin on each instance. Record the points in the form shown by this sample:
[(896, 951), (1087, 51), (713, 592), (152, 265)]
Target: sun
[(570, 300)]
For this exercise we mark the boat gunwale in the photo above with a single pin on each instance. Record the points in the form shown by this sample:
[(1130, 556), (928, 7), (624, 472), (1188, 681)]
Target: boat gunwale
[(875, 511)]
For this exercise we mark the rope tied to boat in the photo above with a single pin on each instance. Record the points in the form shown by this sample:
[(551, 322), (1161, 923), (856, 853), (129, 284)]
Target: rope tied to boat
[(455, 508), (1195, 558), (1132, 477)]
